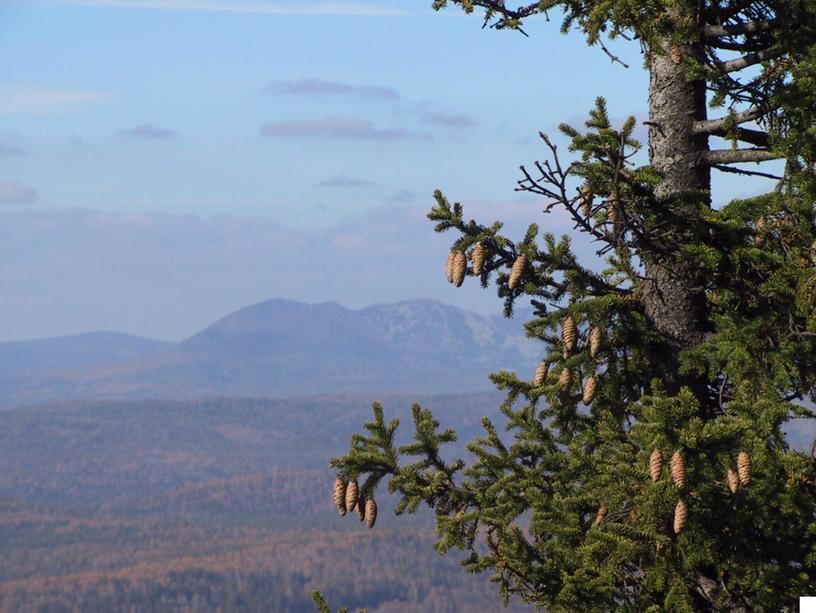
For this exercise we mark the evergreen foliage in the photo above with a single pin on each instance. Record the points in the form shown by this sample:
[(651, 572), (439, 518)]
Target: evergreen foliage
[(564, 511)]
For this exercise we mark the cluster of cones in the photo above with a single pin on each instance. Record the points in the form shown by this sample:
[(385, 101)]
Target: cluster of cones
[(456, 266), (587, 197), (347, 498), (569, 342)]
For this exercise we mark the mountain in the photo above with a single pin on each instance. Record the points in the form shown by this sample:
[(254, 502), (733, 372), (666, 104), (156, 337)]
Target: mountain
[(282, 348)]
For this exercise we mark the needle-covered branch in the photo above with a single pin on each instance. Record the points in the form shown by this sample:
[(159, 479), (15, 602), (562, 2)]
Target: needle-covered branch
[(734, 29)]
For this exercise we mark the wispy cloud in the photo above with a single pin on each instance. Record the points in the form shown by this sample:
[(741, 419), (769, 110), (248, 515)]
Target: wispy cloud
[(336, 128), (12, 192), (318, 87), (149, 132), (402, 196), (344, 181), (449, 120), (38, 101), (9, 150), (257, 7)]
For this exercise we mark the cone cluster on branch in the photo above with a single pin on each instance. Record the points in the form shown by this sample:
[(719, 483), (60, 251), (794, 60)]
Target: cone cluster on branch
[(744, 468), (678, 470), (517, 271), (541, 372), (347, 499), (655, 464), (569, 335), (595, 337), (477, 258)]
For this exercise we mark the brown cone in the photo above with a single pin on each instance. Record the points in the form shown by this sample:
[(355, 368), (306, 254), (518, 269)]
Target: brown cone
[(517, 270), (744, 468), (541, 372), (676, 55), (813, 253), (680, 517), (564, 379), (370, 512), (569, 334), (678, 470), (595, 335), (586, 200), (449, 268), (352, 492), (733, 480), (613, 213), (339, 495), (601, 515), (459, 266), (655, 464), (360, 508), (477, 258), (590, 387)]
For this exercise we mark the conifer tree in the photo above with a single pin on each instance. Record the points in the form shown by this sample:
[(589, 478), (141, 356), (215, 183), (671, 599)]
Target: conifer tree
[(644, 465)]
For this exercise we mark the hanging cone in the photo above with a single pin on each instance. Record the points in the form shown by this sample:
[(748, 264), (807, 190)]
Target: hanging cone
[(586, 200), (676, 55), (449, 268), (517, 270), (590, 387), (601, 515), (680, 517), (678, 470), (655, 464), (569, 334), (459, 266), (613, 213), (352, 492), (360, 508), (564, 379), (733, 480), (813, 253), (370, 512), (595, 335), (541, 372), (477, 258), (339, 495), (744, 468)]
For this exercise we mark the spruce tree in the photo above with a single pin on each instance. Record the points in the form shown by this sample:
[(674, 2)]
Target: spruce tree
[(644, 465)]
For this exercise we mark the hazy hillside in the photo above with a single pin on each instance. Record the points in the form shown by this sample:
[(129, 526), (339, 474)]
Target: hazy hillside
[(213, 505), (281, 348)]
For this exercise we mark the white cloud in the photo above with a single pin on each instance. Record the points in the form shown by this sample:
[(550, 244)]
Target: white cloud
[(39, 101), (258, 7)]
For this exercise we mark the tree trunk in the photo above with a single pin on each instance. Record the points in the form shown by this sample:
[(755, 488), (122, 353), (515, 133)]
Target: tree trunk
[(672, 295)]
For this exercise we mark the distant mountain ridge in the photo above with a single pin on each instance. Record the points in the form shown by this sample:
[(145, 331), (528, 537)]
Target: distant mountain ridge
[(278, 348)]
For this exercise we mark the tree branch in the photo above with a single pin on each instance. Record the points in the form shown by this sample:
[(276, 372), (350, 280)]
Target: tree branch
[(748, 27), (749, 173), (712, 126), (735, 156), (750, 59), (754, 137)]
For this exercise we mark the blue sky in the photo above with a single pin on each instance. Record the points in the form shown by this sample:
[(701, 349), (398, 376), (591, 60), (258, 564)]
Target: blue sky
[(163, 162)]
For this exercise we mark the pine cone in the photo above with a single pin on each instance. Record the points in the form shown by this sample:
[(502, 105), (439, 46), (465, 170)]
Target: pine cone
[(339, 495), (678, 470), (813, 253), (360, 508), (613, 212), (564, 379), (590, 387), (655, 464), (595, 336), (601, 515), (477, 258), (370, 512), (744, 468), (517, 270), (459, 266), (733, 480), (680, 517), (676, 55), (569, 334), (449, 268), (586, 200), (352, 492), (541, 372)]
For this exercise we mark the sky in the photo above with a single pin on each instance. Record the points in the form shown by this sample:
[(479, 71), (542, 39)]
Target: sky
[(165, 162)]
